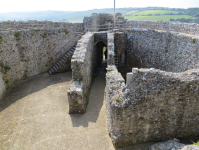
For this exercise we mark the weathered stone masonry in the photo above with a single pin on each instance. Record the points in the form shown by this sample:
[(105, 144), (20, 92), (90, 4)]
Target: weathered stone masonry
[(28, 52), (153, 105), (156, 103), (82, 73)]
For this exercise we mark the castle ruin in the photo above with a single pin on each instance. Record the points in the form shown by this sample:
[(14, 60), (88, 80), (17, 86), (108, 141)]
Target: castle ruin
[(152, 78)]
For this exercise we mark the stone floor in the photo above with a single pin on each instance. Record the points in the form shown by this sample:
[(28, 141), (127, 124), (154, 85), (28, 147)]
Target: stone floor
[(34, 115)]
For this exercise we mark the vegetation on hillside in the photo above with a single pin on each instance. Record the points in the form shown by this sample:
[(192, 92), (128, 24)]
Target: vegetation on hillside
[(165, 14), (148, 13)]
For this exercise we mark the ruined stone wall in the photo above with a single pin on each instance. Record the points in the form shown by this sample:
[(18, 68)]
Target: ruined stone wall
[(153, 105), (188, 28), (82, 73), (169, 51), (32, 24), (29, 52)]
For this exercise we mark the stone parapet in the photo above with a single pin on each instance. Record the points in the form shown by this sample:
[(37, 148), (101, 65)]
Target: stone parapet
[(34, 24), (188, 28)]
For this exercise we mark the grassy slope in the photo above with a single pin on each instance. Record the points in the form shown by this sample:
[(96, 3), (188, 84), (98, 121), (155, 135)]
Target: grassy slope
[(155, 18), (153, 12)]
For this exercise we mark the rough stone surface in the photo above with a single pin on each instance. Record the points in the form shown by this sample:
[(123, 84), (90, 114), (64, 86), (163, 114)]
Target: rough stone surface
[(172, 145), (32, 24), (2, 85), (82, 69), (169, 51), (32, 51), (188, 28), (154, 105)]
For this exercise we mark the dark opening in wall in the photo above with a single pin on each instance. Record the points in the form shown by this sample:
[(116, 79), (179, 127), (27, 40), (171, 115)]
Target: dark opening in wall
[(99, 58)]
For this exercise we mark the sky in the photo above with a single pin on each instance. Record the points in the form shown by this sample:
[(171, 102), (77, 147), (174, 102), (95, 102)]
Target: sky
[(82, 5)]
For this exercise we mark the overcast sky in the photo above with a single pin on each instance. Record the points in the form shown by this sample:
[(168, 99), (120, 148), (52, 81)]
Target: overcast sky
[(81, 5)]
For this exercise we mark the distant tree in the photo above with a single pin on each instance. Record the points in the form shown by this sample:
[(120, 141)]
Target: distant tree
[(180, 13), (172, 19), (197, 14)]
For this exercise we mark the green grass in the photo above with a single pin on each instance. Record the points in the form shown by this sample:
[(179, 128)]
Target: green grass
[(104, 49), (153, 12), (196, 143), (157, 18)]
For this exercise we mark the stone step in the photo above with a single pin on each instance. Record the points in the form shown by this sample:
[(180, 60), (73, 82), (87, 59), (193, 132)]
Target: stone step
[(54, 68), (67, 55), (59, 64)]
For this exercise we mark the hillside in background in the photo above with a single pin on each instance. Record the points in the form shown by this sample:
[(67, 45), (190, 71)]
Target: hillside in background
[(149, 13)]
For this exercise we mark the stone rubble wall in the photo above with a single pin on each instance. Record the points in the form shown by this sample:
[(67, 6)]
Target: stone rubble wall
[(110, 48), (154, 105), (2, 85), (172, 145), (188, 28), (169, 51), (82, 73), (29, 52), (31, 24)]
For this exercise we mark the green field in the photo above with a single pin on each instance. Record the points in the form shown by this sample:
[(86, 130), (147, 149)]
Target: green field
[(154, 12), (157, 18)]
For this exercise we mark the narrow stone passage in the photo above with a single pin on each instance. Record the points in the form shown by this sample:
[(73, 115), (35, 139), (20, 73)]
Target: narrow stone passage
[(34, 115)]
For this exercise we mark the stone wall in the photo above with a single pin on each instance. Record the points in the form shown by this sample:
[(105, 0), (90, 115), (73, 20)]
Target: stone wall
[(2, 85), (29, 52), (32, 24), (82, 73), (188, 28), (153, 105), (169, 51)]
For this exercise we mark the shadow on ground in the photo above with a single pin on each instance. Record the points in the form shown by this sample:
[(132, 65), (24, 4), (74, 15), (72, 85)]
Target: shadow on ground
[(96, 99), (28, 87)]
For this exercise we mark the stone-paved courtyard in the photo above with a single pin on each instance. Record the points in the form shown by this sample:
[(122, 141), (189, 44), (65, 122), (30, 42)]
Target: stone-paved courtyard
[(34, 115)]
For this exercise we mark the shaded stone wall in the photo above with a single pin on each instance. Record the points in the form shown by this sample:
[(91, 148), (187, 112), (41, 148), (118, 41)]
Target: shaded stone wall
[(82, 73), (26, 53), (188, 28), (169, 51)]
